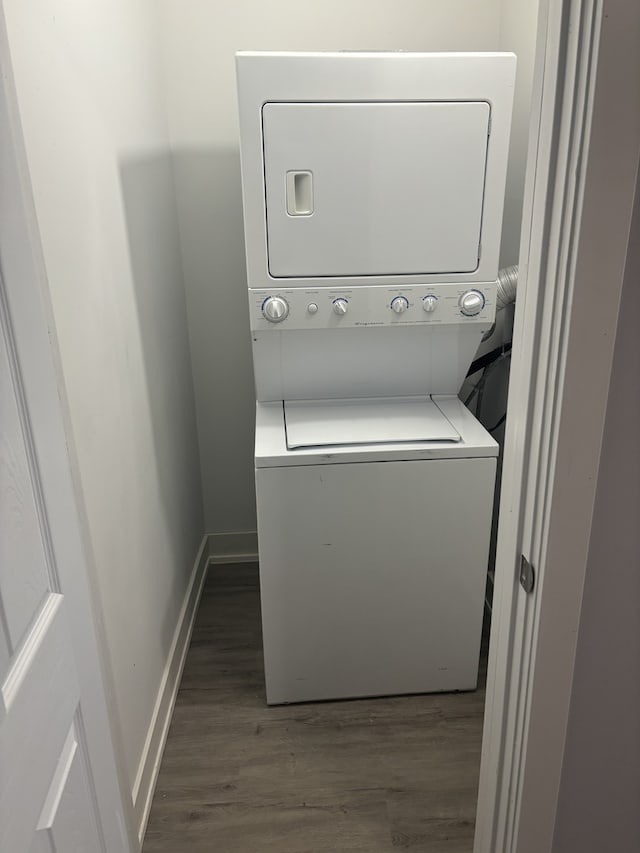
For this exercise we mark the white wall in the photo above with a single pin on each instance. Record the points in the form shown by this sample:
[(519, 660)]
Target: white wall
[(600, 783), (90, 89), (200, 38)]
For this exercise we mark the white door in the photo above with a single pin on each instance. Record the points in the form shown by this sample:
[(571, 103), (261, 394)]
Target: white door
[(346, 184), (58, 782), (45, 792)]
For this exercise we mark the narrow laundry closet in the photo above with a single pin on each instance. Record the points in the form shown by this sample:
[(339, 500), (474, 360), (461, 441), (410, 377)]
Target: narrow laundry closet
[(172, 304)]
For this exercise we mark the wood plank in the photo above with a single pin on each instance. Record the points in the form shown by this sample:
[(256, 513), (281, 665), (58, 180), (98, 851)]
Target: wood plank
[(374, 775)]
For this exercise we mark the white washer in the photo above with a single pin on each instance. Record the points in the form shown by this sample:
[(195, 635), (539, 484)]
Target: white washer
[(373, 554), (373, 186)]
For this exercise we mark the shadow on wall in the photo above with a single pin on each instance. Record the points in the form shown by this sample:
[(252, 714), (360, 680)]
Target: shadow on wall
[(154, 251), (209, 203)]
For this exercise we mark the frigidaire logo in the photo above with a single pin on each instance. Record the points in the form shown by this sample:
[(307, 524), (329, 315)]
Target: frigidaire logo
[(371, 323)]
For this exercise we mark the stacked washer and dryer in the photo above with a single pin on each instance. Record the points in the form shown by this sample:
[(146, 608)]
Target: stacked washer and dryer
[(373, 189)]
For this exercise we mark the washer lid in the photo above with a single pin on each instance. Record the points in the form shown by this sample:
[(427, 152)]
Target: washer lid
[(323, 423)]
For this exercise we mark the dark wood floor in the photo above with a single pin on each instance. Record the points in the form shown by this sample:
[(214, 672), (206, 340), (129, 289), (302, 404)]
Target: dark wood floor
[(370, 775)]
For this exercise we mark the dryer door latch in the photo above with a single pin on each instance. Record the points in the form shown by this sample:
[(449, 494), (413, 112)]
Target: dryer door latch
[(527, 574)]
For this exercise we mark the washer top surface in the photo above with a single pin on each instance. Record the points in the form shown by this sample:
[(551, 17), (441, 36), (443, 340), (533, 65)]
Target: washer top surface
[(272, 449), (324, 423)]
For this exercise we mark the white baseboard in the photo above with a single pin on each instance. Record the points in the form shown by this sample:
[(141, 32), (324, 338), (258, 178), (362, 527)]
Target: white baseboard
[(241, 547), (146, 777)]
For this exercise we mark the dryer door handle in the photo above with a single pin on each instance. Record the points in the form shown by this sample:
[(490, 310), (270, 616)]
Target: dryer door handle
[(299, 193)]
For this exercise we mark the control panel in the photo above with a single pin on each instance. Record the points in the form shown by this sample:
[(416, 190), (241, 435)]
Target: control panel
[(332, 308)]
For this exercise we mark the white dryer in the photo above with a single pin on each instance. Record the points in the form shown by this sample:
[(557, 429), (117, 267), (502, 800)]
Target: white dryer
[(373, 188)]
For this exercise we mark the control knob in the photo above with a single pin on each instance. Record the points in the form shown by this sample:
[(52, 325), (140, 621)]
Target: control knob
[(275, 309), (471, 303), (340, 306), (399, 304), (429, 303)]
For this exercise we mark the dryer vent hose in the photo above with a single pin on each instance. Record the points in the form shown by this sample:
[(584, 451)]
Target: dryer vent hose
[(507, 284)]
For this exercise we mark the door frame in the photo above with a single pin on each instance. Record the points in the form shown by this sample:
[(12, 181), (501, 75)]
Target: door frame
[(577, 212), (27, 313)]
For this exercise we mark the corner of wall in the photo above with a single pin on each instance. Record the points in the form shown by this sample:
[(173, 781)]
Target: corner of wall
[(237, 547)]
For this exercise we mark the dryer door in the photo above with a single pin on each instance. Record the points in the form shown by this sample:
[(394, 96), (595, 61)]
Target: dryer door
[(373, 189)]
